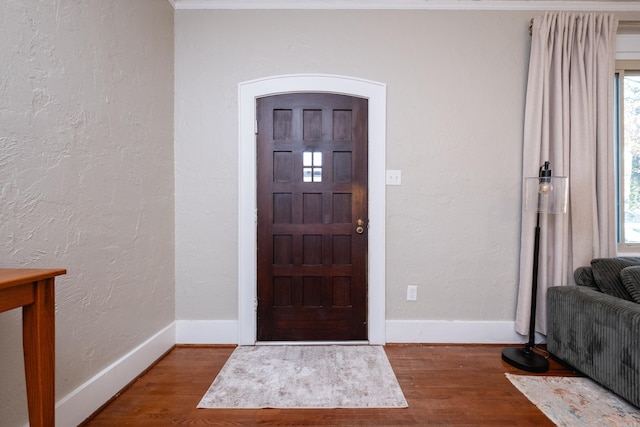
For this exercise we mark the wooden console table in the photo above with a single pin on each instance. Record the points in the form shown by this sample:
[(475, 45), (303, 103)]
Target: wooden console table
[(32, 289)]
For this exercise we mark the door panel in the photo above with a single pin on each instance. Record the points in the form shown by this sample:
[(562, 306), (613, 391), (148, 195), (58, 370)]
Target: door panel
[(312, 216)]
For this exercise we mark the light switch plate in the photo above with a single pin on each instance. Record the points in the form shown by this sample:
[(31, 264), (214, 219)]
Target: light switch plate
[(394, 177)]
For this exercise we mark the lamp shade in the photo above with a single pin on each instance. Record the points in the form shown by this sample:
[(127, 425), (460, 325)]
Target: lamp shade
[(548, 194)]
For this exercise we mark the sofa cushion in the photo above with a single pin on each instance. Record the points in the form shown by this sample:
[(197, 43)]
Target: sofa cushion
[(584, 277), (631, 280), (606, 272)]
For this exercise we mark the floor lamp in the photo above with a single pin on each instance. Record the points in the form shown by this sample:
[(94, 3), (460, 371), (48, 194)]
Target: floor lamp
[(544, 194)]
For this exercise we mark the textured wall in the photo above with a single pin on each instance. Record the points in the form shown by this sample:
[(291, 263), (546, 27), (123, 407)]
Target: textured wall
[(455, 98), (86, 178)]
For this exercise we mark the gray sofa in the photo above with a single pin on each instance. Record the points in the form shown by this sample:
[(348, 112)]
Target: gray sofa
[(595, 326)]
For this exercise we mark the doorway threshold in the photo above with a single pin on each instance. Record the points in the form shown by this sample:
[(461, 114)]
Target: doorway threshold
[(312, 342)]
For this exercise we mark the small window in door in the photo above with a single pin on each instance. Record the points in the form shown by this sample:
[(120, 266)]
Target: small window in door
[(312, 166)]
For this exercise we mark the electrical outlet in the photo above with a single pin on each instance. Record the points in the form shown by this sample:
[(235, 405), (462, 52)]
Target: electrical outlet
[(412, 292)]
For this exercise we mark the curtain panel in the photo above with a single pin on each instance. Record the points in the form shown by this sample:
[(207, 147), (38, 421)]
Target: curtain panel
[(569, 122)]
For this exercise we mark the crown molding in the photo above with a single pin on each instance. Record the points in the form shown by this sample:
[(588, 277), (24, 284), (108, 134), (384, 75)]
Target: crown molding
[(613, 6)]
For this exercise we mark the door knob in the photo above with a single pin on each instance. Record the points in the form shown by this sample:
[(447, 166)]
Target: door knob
[(360, 228)]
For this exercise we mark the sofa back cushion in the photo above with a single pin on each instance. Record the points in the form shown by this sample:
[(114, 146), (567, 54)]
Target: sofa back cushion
[(606, 272), (584, 277), (631, 281)]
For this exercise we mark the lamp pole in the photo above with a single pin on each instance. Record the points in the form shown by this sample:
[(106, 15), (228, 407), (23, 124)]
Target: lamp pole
[(534, 288)]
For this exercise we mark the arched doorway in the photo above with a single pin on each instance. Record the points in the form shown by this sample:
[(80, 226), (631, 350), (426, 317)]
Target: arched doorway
[(248, 93)]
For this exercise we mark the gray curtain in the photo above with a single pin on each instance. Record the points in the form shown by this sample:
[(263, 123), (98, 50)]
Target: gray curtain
[(569, 122)]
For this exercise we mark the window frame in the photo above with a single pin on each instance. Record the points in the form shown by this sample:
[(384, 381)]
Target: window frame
[(623, 68)]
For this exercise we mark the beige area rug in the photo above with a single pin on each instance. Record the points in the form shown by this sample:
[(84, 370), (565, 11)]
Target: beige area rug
[(306, 376), (576, 401)]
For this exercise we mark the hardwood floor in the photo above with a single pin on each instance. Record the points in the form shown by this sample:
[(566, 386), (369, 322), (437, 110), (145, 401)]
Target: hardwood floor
[(445, 385)]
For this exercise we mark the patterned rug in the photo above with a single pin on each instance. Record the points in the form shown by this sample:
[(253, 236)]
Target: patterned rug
[(576, 401), (313, 376)]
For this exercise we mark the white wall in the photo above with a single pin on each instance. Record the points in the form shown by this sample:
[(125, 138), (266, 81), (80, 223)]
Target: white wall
[(86, 178), (455, 96), (456, 83)]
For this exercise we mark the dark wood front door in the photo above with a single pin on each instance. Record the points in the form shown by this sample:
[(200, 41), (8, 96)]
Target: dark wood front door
[(312, 217)]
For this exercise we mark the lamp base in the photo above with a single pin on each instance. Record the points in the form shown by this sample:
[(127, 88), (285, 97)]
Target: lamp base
[(525, 360)]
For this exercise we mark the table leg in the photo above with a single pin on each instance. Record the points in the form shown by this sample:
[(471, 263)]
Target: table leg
[(38, 337)]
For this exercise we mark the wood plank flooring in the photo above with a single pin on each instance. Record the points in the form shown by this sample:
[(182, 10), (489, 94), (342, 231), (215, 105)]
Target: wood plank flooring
[(445, 385)]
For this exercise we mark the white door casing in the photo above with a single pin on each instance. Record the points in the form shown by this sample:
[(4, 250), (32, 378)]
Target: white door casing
[(247, 239)]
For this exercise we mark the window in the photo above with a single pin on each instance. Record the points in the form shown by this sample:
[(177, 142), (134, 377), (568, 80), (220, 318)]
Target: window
[(312, 166), (627, 137)]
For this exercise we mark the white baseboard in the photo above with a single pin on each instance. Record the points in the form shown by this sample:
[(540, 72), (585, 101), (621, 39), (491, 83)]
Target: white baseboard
[(397, 331), (452, 332), (86, 399), (206, 331)]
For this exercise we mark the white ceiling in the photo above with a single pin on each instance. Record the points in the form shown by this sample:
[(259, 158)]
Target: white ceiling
[(582, 5)]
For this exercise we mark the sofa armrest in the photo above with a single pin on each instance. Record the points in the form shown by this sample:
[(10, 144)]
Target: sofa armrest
[(597, 334)]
